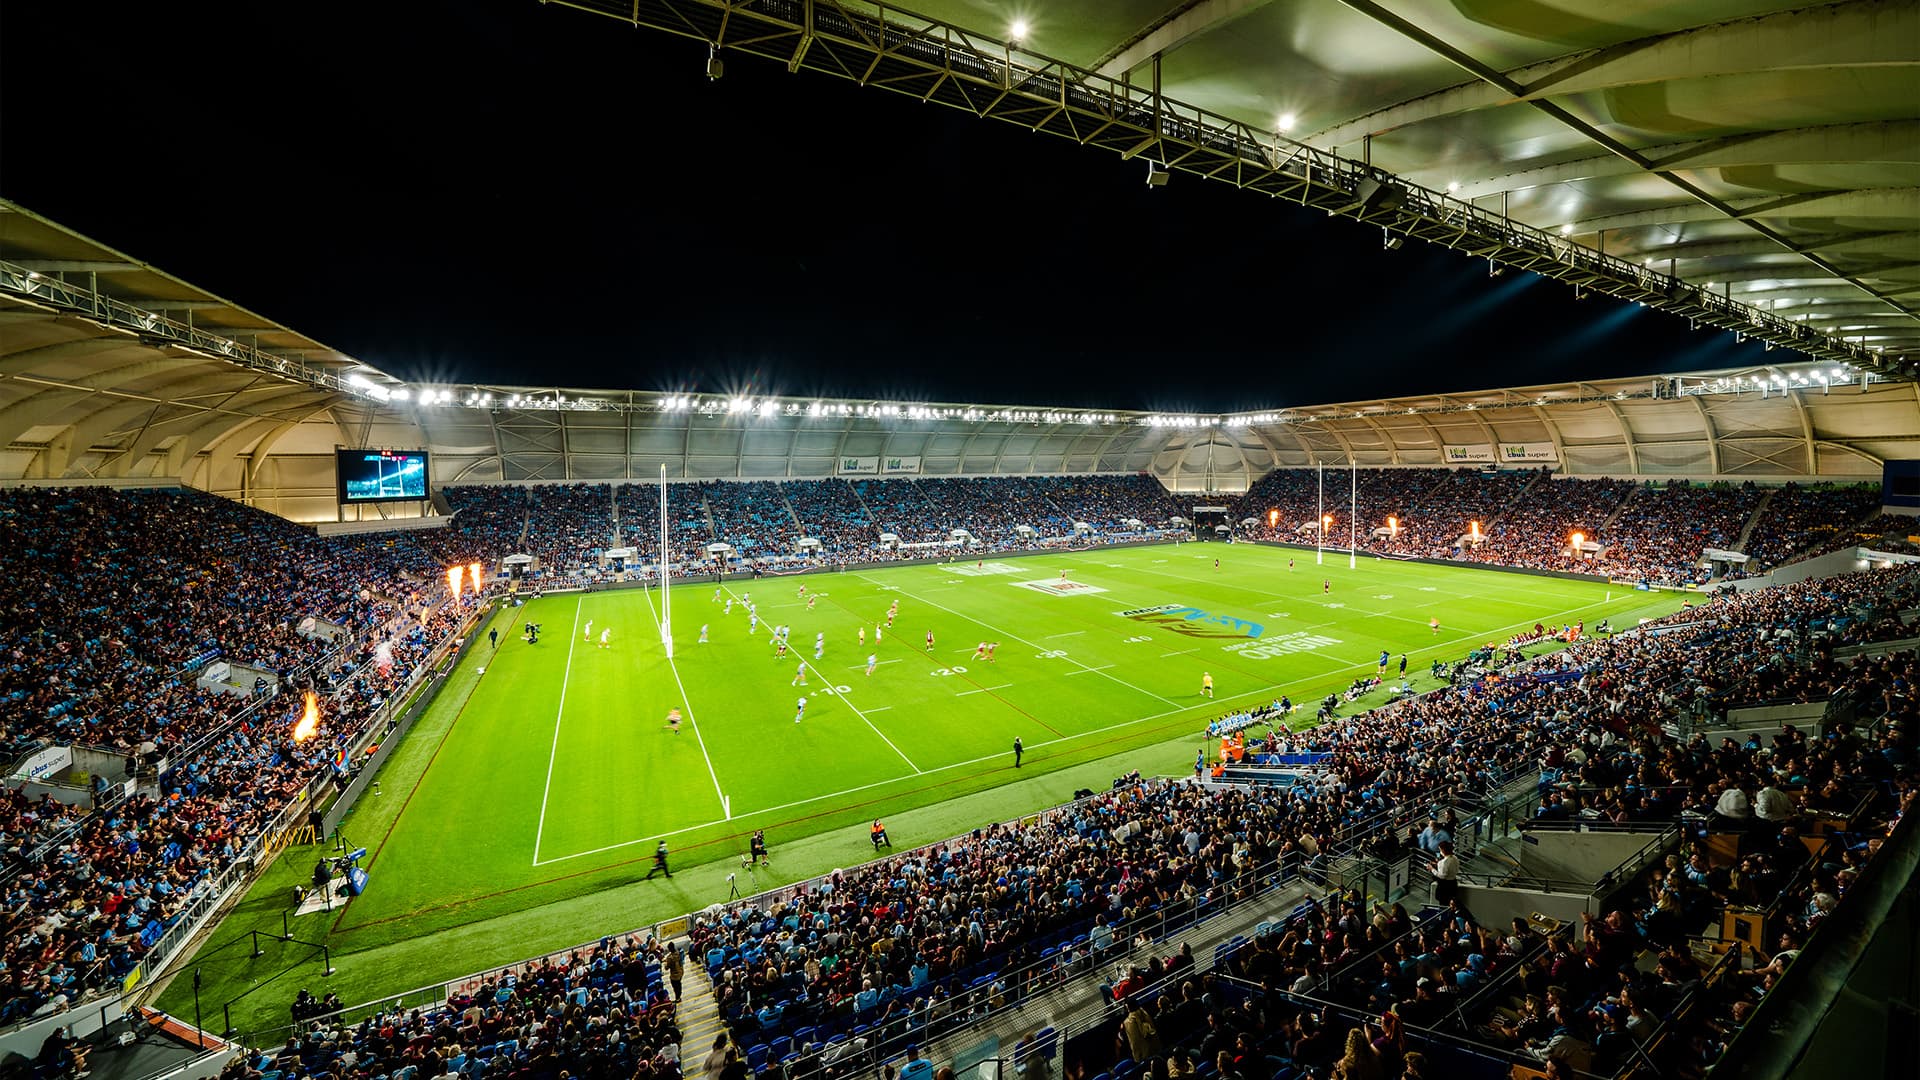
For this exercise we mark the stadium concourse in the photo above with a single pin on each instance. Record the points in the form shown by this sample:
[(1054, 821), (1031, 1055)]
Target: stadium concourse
[(120, 594)]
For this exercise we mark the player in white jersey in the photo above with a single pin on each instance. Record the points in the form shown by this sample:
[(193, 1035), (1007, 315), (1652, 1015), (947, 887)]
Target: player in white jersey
[(729, 609), (703, 633), (873, 661), (980, 651), (800, 710), (876, 635), (753, 623), (587, 634), (799, 675), (716, 596), (819, 644), (803, 590), (605, 633)]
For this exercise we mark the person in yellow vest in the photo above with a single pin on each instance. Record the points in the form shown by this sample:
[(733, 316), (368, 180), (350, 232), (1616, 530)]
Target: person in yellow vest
[(1206, 683)]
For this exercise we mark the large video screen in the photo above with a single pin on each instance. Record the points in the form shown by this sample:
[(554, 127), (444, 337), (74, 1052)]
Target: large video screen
[(382, 475)]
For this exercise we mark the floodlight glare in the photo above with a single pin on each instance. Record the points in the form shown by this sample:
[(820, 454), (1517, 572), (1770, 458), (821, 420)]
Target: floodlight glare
[(1453, 186), (1018, 31), (1286, 121)]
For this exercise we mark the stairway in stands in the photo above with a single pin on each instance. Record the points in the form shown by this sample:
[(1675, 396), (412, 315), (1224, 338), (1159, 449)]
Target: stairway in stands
[(698, 1014), (1759, 508)]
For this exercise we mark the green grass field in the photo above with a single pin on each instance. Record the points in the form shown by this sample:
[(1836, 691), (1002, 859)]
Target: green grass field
[(521, 813)]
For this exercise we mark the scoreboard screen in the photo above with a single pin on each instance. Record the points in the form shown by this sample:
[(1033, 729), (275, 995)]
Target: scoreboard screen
[(368, 476)]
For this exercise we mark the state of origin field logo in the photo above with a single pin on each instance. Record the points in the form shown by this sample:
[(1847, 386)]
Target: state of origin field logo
[(1193, 622)]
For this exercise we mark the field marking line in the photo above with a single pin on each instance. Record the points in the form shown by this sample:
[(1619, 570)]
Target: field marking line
[(804, 662), (553, 750), (1075, 633), (882, 708), (1032, 644), (1179, 652), (863, 667), (1083, 671), (983, 689), (692, 721)]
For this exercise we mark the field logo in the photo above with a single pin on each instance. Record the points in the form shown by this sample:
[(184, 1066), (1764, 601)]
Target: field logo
[(1193, 622), (1061, 588), (985, 569), (1284, 645)]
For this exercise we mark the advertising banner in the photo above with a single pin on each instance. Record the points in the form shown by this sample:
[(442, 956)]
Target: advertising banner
[(894, 465), (859, 466), (1477, 454), (1511, 453)]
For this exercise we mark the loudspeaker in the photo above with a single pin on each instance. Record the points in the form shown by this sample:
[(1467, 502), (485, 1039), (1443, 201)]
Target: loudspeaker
[(1376, 195)]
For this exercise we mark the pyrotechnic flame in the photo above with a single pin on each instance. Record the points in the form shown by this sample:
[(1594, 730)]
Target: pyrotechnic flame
[(309, 724), (454, 574), (474, 569)]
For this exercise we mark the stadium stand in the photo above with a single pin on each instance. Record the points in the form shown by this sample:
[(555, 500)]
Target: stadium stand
[(926, 928), (909, 946)]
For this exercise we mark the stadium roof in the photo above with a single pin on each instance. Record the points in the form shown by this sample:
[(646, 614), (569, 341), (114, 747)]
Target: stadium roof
[(109, 366), (1752, 164), (111, 369)]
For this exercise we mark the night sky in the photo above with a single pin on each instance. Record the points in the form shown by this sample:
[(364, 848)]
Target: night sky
[(512, 193)]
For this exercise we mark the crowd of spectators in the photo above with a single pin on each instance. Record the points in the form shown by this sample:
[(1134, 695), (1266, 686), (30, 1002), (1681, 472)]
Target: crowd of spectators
[(1661, 532), (601, 1013), (1644, 531), (1537, 529), (1802, 517), (124, 596), (878, 949)]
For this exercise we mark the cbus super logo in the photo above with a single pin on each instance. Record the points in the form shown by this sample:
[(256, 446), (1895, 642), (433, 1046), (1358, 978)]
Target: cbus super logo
[(1193, 622)]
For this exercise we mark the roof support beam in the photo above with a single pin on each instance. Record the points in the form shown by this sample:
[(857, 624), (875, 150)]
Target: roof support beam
[(1791, 35), (1892, 204), (1896, 141), (1866, 32), (1187, 20)]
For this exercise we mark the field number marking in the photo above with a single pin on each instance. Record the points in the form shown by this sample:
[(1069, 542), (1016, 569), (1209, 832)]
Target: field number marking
[(954, 670), (1050, 654), (1137, 639)]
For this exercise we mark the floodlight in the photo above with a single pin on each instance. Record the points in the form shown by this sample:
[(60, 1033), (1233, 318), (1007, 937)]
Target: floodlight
[(1156, 176), (1453, 186), (402, 394), (1018, 31), (716, 67), (1566, 230), (1286, 121)]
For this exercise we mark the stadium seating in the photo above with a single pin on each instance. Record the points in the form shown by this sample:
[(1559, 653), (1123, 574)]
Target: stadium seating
[(119, 594)]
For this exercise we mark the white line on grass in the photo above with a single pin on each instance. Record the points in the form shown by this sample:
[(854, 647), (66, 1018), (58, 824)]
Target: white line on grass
[(863, 667), (1083, 671), (1179, 652), (692, 721), (1075, 633), (1033, 644), (553, 751), (983, 689)]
